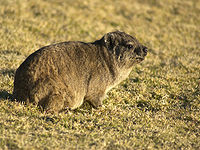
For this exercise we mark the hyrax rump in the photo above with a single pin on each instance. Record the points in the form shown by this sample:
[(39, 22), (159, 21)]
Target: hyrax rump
[(64, 75)]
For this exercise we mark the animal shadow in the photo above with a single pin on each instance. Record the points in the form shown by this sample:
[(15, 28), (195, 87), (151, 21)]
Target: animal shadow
[(5, 95), (9, 72)]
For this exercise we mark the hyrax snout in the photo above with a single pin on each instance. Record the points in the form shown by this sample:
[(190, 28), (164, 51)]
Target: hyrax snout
[(64, 75)]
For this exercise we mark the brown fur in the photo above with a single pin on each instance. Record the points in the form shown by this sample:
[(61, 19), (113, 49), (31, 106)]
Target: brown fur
[(63, 75)]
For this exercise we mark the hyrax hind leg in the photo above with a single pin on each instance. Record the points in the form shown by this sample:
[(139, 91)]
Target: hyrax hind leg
[(57, 102), (53, 96), (54, 103)]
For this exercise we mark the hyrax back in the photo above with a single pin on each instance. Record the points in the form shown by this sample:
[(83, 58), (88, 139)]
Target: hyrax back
[(63, 75)]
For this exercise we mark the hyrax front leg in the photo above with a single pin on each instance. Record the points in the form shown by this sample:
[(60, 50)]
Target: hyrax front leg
[(97, 100)]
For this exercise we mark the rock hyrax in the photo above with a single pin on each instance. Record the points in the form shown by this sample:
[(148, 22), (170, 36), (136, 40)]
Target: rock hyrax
[(64, 75)]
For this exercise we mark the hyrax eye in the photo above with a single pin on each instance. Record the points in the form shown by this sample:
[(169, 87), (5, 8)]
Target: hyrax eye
[(129, 46)]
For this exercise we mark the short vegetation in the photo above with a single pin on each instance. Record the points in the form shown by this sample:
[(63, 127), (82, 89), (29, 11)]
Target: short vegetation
[(157, 107)]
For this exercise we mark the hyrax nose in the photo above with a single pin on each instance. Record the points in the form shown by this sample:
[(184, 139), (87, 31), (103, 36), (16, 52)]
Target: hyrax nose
[(141, 51), (145, 50), (137, 51)]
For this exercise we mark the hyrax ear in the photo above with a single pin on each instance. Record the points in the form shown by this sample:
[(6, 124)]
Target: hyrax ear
[(109, 41)]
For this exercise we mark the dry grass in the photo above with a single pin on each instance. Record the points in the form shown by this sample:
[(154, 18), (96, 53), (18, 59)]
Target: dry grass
[(158, 107)]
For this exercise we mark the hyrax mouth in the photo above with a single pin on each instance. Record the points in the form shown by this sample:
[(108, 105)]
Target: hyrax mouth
[(139, 59)]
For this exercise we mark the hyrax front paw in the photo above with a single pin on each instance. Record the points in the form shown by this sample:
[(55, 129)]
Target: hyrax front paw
[(96, 103)]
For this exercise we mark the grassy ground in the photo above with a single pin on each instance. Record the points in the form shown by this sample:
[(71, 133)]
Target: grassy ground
[(158, 107)]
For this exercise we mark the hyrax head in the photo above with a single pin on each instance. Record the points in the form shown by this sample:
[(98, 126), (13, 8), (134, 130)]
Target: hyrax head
[(125, 48)]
